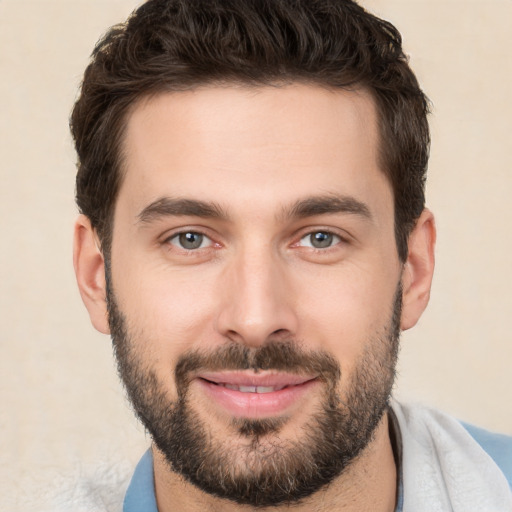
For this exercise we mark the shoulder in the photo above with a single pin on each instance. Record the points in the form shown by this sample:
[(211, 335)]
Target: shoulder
[(436, 431), (498, 446), (85, 489)]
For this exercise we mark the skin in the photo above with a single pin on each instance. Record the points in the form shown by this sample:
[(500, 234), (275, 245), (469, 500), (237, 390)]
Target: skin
[(255, 153)]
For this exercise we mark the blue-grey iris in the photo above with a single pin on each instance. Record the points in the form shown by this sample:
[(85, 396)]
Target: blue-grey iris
[(191, 240), (321, 239)]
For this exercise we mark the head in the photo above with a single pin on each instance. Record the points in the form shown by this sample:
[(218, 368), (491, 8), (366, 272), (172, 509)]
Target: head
[(253, 233)]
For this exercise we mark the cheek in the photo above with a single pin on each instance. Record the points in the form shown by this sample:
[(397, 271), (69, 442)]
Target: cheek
[(343, 312), (170, 308)]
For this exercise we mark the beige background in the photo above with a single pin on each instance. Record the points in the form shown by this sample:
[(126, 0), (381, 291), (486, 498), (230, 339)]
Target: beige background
[(61, 405)]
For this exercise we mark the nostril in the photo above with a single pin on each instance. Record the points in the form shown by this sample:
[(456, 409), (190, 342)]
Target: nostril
[(234, 336), (280, 333)]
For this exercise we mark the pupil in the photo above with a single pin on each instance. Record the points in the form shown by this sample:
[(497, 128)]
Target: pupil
[(321, 239), (191, 240)]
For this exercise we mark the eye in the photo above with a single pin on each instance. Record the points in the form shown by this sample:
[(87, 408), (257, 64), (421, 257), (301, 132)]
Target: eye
[(190, 240), (320, 240)]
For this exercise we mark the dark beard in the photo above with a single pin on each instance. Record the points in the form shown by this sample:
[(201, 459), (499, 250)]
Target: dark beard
[(265, 470)]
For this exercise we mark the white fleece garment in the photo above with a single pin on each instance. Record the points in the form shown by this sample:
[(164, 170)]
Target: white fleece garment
[(444, 468), (98, 489)]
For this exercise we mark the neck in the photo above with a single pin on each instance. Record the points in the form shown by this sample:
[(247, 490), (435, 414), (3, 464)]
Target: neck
[(368, 484)]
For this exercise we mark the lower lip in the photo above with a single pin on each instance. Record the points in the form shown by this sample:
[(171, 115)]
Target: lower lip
[(256, 405)]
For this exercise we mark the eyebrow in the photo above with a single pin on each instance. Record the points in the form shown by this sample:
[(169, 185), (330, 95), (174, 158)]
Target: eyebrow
[(307, 207), (168, 206), (321, 205)]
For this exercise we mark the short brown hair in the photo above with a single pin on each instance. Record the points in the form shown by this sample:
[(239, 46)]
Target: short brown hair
[(175, 45)]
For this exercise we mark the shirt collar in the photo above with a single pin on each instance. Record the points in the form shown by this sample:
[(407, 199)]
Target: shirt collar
[(396, 444), (141, 491)]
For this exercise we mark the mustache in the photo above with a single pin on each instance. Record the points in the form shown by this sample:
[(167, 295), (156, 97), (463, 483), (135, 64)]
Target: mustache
[(284, 356)]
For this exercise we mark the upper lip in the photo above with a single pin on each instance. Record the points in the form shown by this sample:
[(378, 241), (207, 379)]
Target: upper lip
[(249, 378)]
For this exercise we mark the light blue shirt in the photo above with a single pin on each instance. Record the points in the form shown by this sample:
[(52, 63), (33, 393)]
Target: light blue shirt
[(140, 496)]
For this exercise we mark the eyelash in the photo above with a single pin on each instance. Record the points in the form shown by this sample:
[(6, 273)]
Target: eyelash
[(336, 239), (333, 239), (183, 233)]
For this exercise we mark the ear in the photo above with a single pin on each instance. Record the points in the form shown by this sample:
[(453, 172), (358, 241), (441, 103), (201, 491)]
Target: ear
[(90, 273), (418, 270)]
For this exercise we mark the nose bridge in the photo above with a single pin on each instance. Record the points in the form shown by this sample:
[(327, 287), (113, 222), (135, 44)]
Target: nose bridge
[(257, 299)]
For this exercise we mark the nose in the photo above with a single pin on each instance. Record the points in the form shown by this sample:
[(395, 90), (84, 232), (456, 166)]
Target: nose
[(256, 300)]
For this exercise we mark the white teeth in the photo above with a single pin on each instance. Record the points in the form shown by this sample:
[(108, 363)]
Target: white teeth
[(247, 389), (265, 389), (253, 389)]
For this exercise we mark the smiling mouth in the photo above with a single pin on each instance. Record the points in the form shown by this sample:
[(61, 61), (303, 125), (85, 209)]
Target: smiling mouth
[(251, 395), (249, 389), (251, 382)]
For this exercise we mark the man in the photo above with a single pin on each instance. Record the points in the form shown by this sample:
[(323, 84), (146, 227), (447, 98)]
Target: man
[(253, 235)]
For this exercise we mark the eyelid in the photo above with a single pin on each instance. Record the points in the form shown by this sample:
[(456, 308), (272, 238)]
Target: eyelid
[(205, 239), (166, 238), (336, 240), (343, 236)]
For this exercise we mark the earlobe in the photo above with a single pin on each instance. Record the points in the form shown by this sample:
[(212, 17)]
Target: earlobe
[(90, 273), (418, 270)]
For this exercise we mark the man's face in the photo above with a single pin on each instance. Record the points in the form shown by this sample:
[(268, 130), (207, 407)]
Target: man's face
[(255, 284)]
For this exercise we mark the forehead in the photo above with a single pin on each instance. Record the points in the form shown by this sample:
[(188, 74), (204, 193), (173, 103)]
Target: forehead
[(257, 145)]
